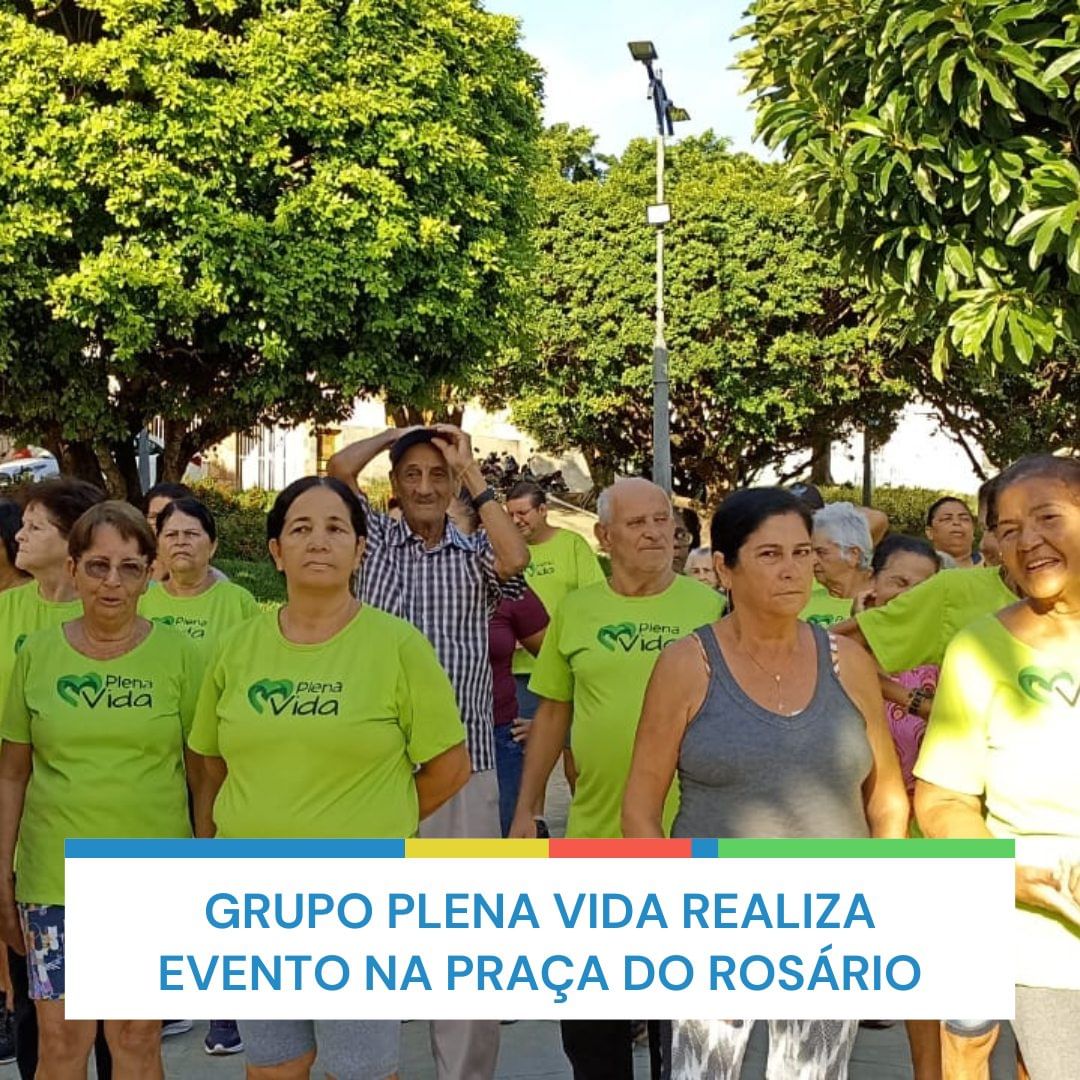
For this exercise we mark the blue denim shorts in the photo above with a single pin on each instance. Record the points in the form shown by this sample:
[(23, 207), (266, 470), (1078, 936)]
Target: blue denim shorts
[(43, 932)]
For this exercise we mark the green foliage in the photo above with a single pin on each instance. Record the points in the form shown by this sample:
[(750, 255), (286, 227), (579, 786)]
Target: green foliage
[(258, 577), (938, 142), (767, 347), (906, 506), (241, 520), (229, 213)]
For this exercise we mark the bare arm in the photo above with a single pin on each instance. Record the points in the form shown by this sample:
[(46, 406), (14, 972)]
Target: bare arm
[(884, 799), (547, 737), (441, 778), (533, 642), (348, 463), (849, 629), (511, 551), (877, 521), (944, 813), (16, 760), (211, 773), (675, 692)]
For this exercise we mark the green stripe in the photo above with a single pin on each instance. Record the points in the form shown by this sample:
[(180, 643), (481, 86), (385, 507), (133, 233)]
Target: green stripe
[(866, 849)]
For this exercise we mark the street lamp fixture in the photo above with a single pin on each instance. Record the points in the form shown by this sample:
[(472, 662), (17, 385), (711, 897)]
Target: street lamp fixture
[(659, 214), (643, 51)]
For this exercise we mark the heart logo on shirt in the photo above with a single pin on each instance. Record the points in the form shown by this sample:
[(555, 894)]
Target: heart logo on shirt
[(618, 634), (1042, 686), (72, 687), (20, 641), (165, 620), (265, 690)]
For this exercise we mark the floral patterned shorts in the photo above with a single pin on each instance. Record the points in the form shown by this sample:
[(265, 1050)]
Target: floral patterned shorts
[(43, 932)]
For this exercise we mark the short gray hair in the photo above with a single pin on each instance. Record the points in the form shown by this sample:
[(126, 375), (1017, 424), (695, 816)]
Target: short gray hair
[(604, 504), (699, 551), (842, 523)]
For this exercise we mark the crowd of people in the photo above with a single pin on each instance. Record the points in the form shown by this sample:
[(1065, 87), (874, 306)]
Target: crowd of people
[(806, 674)]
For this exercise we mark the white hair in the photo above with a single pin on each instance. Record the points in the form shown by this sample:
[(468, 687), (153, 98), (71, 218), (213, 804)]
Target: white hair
[(604, 504), (842, 523), (698, 552)]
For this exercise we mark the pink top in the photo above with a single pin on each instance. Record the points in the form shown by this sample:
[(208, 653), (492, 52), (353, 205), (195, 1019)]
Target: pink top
[(906, 728)]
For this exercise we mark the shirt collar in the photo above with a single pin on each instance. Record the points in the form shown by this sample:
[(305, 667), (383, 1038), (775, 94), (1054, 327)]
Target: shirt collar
[(401, 534)]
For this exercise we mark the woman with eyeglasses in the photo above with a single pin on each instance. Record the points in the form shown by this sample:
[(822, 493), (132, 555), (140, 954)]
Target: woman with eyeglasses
[(93, 746), (192, 597)]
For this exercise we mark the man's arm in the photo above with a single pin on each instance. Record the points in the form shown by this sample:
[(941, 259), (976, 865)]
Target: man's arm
[(348, 463), (547, 737), (511, 551), (877, 521)]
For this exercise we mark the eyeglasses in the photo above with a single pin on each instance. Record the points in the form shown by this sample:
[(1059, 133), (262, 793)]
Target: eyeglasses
[(130, 571)]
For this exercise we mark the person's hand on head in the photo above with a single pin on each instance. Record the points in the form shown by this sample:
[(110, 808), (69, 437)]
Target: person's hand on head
[(455, 446), (863, 601)]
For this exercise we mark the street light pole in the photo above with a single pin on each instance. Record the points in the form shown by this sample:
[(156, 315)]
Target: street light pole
[(659, 215), (661, 388)]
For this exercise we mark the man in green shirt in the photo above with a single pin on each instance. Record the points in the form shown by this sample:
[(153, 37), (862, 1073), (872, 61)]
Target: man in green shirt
[(561, 561), (596, 660)]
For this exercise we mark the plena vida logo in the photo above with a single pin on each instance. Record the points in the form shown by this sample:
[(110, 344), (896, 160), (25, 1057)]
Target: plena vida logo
[(282, 697), (111, 691), (194, 628), (630, 637)]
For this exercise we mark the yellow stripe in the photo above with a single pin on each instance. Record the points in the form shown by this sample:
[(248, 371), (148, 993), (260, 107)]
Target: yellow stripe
[(476, 849)]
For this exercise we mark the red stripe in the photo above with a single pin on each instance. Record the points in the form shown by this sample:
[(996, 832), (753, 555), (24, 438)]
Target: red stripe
[(620, 849)]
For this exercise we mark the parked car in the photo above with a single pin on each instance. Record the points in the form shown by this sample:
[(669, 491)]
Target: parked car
[(32, 469)]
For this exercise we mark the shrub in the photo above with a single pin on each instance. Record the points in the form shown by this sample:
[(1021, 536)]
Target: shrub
[(259, 578), (906, 506)]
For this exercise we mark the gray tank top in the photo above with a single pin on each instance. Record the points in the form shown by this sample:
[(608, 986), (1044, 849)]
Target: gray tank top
[(747, 772)]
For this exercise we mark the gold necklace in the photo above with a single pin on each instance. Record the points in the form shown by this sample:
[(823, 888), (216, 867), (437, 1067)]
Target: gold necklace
[(776, 677)]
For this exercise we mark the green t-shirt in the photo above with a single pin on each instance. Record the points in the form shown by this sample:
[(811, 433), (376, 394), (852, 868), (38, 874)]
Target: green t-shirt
[(916, 627), (599, 652), (204, 618), (1006, 727), (824, 609), (321, 740), (557, 567), (108, 747), (22, 613)]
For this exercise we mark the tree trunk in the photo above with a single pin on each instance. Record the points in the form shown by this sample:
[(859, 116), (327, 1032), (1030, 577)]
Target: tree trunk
[(821, 460), (412, 415), (120, 464), (601, 468), (174, 460), (80, 460)]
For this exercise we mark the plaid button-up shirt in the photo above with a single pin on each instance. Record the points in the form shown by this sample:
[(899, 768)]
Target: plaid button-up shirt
[(448, 592)]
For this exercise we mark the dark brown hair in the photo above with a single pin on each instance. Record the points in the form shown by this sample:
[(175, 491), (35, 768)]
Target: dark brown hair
[(65, 500), (123, 517)]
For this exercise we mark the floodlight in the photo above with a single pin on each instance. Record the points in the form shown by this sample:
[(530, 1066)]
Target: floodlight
[(643, 51)]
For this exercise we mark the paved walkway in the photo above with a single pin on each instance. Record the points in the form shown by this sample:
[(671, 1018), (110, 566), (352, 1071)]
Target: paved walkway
[(531, 1049)]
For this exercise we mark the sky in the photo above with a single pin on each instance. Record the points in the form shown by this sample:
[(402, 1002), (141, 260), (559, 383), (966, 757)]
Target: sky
[(592, 81)]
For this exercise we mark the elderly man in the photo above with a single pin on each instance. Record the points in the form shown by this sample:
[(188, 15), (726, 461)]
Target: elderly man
[(843, 549), (423, 569), (595, 663)]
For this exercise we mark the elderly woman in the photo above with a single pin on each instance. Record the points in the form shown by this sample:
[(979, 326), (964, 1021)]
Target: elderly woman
[(842, 547), (192, 597), (950, 527), (81, 758), (699, 565), (10, 525), (746, 711), (328, 718), (1000, 754)]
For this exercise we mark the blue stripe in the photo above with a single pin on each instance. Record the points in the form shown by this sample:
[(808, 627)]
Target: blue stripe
[(705, 849), (234, 849)]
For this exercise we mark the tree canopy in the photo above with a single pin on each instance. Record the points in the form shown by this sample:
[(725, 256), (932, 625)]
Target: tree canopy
[(938, 144), (227, 212), (768, 348)]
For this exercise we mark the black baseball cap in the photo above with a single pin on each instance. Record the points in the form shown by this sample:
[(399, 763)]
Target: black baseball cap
[(409, 440), (808, 495)]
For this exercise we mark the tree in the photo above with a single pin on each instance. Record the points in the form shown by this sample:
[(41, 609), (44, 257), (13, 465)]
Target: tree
[(938, 145), (230, 212), (768, 349)]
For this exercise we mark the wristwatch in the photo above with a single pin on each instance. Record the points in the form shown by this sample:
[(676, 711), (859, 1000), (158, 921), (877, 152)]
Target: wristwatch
[(485, 496)]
